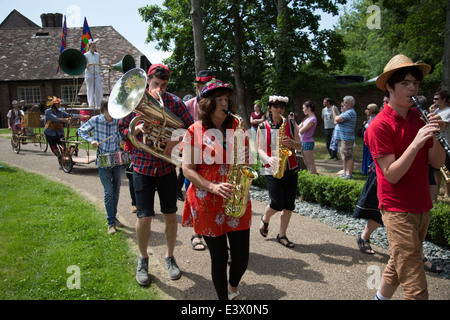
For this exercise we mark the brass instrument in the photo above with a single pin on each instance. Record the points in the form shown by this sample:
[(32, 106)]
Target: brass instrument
[(72, 62), (445, 173), (240, 176), (283, 152), (127, 63), (128, 95)]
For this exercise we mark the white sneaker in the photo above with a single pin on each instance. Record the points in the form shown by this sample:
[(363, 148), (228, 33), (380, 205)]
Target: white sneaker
[(111, 229)]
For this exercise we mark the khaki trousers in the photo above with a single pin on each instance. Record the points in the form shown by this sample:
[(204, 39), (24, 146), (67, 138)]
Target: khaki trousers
[(406, 233)]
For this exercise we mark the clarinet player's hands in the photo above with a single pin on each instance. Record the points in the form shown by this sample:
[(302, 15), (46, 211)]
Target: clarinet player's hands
[(437, 120), (426, 132)]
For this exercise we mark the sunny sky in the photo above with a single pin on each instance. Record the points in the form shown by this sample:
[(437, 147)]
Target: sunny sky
[(122, 15)]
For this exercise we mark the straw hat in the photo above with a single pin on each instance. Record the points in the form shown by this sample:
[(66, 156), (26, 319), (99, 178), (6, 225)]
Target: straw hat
[(396, 63)]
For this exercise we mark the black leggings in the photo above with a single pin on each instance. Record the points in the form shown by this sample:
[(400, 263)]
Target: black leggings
[(239, 250)]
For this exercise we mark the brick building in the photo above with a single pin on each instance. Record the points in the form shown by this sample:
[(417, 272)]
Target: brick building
[(29, 60)]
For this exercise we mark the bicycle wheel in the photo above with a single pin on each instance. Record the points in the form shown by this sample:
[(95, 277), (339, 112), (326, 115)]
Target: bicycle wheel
[(66, 161), (43, 143)]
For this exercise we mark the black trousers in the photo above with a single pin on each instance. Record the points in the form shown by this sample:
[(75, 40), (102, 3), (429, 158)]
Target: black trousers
[(239, 249), (328, 136)]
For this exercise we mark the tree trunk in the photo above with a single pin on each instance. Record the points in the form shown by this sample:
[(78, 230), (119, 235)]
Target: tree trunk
[(446, 58), (197, 29), (283, 65), (237, 64)]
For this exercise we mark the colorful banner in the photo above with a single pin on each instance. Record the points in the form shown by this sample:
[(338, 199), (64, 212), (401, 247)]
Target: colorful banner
[(85, 37), (63, 40)]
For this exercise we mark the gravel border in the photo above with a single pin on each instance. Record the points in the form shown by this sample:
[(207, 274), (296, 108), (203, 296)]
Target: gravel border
[(344, 221)]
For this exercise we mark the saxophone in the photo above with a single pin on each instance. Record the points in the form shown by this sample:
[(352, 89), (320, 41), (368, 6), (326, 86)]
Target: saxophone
[(283, 152), (240, 176)]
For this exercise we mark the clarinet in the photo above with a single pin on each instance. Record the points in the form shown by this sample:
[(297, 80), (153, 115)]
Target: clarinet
[(439, 134)]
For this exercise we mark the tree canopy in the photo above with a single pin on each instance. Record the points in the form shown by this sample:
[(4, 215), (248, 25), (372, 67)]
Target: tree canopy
[(276, 40), (415, 28)]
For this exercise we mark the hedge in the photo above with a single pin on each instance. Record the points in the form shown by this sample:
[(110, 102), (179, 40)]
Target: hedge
[(344, 194)]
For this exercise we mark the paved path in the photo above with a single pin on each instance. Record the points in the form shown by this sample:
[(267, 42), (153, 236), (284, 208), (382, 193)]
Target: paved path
[(325, 264)]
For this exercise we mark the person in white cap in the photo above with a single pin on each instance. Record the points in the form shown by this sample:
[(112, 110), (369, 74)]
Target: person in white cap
[(92, 75)]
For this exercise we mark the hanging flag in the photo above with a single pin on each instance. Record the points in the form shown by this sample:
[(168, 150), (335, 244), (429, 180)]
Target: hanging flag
[(85, 37), (63, 40)]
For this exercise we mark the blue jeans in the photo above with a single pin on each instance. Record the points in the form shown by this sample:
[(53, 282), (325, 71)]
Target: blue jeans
[(111, 178)]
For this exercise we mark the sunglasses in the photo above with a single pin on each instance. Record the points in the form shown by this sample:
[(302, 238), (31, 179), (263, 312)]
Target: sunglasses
[(277, 106)]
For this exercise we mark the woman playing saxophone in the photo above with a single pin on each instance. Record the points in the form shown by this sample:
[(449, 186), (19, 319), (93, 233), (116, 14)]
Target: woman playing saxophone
[(206, 163), (274, 135)]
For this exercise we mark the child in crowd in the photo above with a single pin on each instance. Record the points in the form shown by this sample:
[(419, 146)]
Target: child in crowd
[(106, 138)]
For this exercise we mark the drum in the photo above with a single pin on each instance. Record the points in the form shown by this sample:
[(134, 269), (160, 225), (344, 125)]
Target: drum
[(108, 160)]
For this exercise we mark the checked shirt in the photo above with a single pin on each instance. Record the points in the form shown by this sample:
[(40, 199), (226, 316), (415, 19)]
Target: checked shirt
[(143, 162)]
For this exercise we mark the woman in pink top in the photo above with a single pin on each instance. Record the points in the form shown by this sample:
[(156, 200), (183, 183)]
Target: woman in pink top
[(306, 130)]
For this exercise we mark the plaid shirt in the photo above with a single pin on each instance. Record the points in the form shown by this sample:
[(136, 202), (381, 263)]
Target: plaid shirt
[(102, 130), (143, 162)]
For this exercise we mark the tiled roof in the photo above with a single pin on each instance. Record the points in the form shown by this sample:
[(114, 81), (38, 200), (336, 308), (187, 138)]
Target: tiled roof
[(17, 20), (32, 53)]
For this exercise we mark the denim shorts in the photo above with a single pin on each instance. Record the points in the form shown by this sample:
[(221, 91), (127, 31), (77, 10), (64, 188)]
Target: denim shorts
[(144, 190), (308, 146)]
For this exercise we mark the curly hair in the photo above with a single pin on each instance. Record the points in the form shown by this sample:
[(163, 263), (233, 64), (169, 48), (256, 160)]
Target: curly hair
[(207, 106)]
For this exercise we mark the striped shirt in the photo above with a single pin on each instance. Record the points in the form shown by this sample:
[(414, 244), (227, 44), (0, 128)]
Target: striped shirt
[(346, 130), (143, 162), (102, 130)]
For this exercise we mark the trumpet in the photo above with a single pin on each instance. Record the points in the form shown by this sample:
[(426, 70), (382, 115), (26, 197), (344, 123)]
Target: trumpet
[(445, 173)]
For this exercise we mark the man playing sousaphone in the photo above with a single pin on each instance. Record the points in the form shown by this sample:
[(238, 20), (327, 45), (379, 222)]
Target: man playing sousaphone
[(152, 173)]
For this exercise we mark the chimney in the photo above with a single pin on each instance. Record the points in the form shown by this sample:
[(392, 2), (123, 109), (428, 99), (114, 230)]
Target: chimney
[(58, 20), (44, 20), (51, 20)]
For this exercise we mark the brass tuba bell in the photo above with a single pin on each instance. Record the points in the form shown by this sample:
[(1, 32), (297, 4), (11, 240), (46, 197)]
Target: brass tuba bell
[(128, 95), (72, 62)]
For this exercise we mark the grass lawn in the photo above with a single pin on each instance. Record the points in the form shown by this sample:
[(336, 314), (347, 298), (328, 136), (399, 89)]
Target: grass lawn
[(55, 246)]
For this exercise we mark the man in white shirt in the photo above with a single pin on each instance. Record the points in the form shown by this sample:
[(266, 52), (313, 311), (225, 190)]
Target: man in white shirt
[(92, 75), (328, 121), (441, 104)]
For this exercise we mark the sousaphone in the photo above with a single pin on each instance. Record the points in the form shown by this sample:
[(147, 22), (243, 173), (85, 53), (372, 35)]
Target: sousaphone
[(130, 94)]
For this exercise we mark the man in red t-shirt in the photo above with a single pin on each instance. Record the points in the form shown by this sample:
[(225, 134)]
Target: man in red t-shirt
[(403, 146)]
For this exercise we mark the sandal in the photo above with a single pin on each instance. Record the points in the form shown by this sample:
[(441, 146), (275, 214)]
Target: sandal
[(364, 245), (433, 268), (265, 230), (198, 242), (232, 296), (288, 243)]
